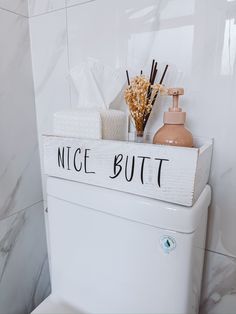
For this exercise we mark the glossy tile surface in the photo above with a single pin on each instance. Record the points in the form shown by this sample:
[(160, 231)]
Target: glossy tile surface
[(24, 275), (50, 68), (24, 279), (16, 6), (75, 2), (20, 184), (219, 285), (37, 7)]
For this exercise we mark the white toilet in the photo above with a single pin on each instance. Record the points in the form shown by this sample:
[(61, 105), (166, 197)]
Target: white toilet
[(112, 252)]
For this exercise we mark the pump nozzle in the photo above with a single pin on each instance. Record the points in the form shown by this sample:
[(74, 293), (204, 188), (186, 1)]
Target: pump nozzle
[(175, 92), (175, 114)]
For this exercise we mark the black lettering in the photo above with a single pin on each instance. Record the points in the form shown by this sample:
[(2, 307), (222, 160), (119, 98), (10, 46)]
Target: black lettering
[(159, 170), (61, 157), (68, 157), (142, 166), (117, 161), (132, 168), (78, 150), (86, 156)]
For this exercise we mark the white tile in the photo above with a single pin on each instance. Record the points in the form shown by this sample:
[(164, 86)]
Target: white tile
[(20, 184), (16, 6), (75, 2), (50, 68), (24, 274), (219, 285), (37, 7), (198, 40)]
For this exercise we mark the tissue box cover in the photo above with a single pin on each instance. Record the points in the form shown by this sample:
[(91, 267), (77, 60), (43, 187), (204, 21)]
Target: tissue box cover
[(114, 125), (91, 124), (82, 123)]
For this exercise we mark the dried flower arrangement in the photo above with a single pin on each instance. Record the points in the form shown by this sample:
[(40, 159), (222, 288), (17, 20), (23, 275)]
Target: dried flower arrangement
[(141, 94)]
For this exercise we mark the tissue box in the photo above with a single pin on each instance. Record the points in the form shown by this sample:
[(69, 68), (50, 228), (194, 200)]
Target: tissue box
[(82, 123), (114, 125), (91, 124)]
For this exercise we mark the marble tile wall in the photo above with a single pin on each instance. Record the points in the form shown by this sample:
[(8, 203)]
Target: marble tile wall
[(50, 68), (198, 39), (219, 284), (43, 6), (24, 276), (17, 6), (24, 271)]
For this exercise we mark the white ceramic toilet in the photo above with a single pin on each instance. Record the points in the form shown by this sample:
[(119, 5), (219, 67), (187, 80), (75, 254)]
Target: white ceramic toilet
[(114, 252)]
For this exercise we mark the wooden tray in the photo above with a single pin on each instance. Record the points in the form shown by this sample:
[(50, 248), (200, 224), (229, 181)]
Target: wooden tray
[(173, 174)]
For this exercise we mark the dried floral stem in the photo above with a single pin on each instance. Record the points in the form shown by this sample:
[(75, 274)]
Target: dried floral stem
[(141, 94), (155, 95)]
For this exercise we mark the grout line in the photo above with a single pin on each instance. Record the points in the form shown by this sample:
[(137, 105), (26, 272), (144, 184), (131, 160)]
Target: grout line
[(19, 14), (60, 9), (215, 252), (20, 211), (47, 12), (81, 3), (68, 57), (28, 7)]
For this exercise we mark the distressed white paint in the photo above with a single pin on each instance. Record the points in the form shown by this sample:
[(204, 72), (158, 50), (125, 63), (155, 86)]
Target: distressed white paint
[(178, 170)]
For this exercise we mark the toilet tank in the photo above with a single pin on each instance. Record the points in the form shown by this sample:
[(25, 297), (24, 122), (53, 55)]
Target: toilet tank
[(114, 252)]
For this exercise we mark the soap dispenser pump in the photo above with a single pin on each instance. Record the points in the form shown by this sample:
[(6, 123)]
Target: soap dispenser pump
[(173, 132)]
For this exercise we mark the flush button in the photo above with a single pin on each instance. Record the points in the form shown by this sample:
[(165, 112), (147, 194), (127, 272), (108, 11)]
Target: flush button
[(168, 243)]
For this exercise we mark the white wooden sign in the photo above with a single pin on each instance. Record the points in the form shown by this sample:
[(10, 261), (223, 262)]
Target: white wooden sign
[(160, 172)]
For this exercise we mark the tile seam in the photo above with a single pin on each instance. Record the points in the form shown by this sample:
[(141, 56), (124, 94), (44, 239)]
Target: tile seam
[(20, 210)]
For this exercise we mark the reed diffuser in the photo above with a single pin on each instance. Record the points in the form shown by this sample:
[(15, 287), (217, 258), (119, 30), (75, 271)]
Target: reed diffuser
[(141, 94)]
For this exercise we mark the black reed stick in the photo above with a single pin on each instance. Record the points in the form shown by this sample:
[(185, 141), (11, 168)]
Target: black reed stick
[(149, 91), (151, 73), (164, 73), (155, 97), (154, 73), (127, 74), (152, 76), (161, 80)]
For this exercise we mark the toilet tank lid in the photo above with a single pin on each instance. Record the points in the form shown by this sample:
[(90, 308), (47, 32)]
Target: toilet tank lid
[(139, 209)]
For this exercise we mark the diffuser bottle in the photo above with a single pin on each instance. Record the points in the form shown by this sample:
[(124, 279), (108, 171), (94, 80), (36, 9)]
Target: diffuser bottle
[(174, 132)]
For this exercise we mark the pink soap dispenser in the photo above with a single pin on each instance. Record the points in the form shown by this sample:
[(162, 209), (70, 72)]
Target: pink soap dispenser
[(174, 132)]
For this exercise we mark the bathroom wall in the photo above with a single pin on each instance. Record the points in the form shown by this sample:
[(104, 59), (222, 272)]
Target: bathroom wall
[(24, 276), (198, 39)]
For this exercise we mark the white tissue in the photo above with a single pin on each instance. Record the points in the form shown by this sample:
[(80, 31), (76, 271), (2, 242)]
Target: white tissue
[(97, 85)]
